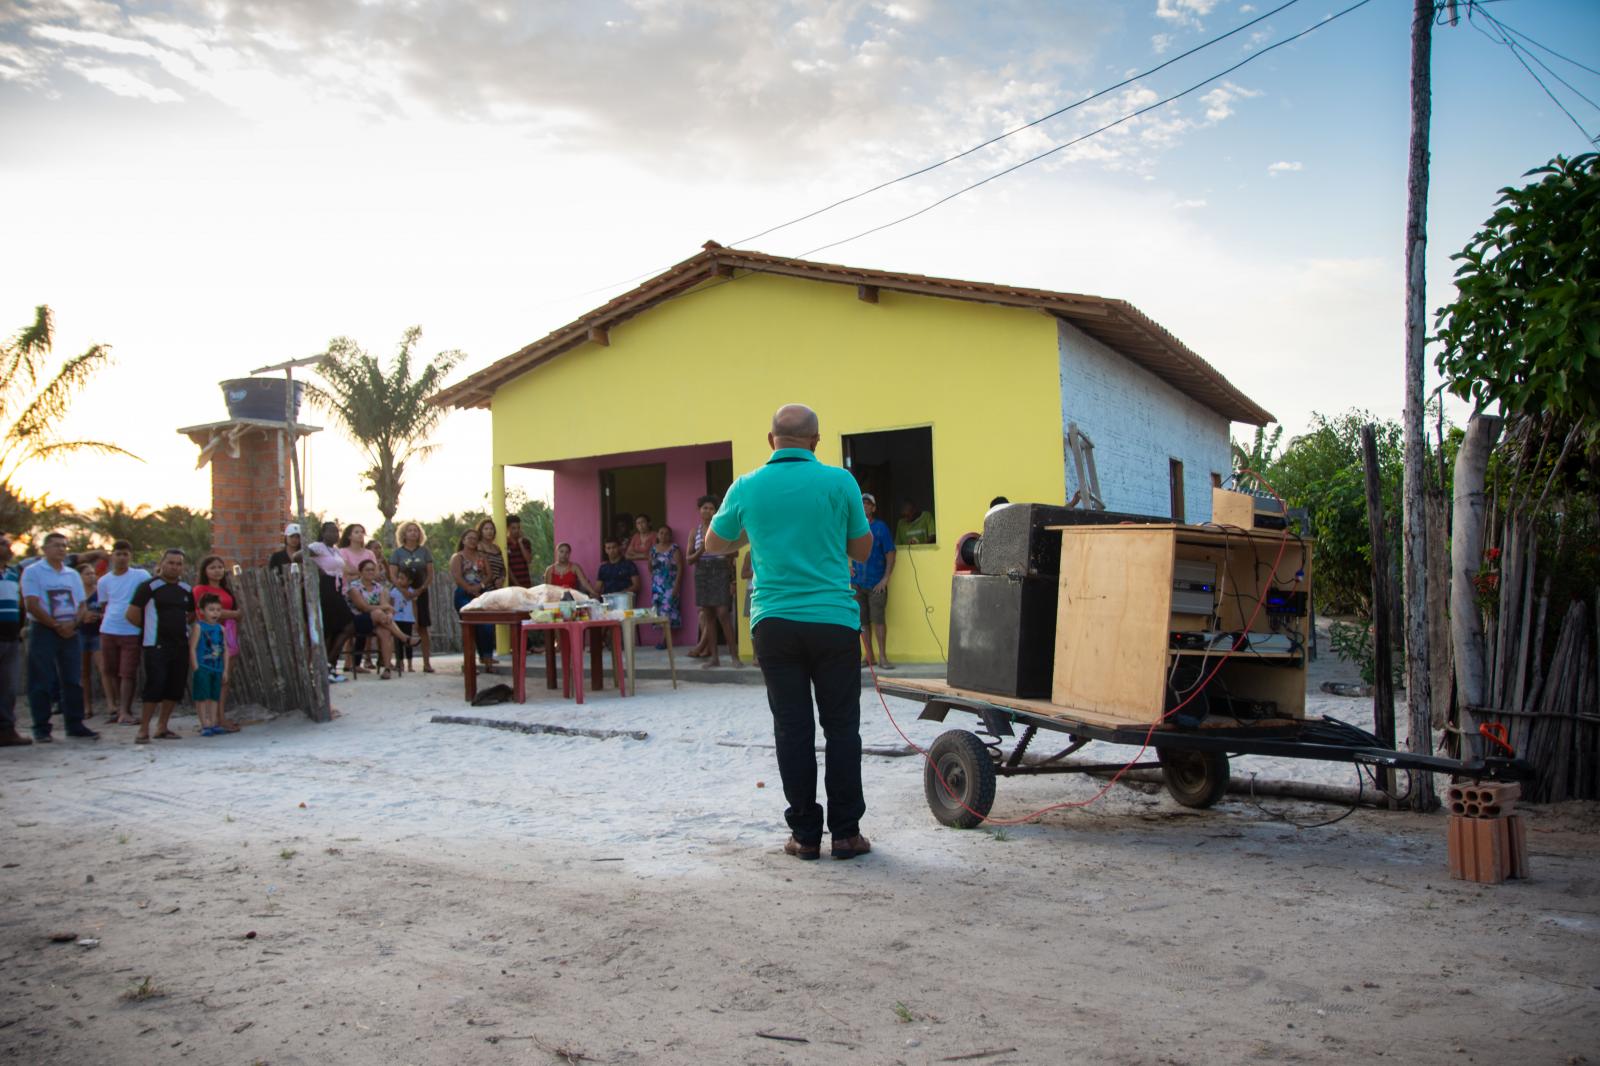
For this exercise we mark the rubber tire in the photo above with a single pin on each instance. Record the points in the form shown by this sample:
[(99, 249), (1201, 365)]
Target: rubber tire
[(969, 769), (1194, 778)]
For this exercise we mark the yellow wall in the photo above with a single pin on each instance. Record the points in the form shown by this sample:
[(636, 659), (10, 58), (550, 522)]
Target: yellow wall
[(714, 364)]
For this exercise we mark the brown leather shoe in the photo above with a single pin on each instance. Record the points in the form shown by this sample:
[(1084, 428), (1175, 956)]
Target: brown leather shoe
[(850, 847), (802, 851), (12, 739)]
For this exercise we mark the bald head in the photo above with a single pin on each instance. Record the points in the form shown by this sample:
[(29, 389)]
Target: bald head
[(794, 426)]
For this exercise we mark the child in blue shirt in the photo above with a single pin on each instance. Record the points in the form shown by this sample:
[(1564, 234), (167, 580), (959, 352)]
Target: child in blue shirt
[(208, 660)]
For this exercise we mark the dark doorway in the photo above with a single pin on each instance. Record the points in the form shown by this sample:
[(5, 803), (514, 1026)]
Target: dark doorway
[(719, 475), (626, 491)]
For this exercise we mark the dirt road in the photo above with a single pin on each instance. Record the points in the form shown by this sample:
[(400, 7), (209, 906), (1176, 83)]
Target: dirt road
[(453, 895)]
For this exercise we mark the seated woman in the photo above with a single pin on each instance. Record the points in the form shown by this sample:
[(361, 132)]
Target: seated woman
[(564, 573), (375, 615)]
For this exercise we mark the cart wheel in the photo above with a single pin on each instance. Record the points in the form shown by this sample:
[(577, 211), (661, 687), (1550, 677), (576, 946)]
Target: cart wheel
[(968, 768), (1194, 778)]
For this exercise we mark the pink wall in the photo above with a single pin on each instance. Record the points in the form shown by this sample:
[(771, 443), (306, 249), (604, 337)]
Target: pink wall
[(577, 510)]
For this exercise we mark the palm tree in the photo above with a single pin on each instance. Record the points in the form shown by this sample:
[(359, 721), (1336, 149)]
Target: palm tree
[(114, 520), (386, 412), (177, 526), (33, 403)]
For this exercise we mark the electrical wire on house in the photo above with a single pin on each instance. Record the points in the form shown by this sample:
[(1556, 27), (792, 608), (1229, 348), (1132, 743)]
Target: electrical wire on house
[(996, 139), (1092, 133)]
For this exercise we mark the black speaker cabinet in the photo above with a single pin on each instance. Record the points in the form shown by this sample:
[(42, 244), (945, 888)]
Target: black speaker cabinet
[(1002, 634), (1015, 540)]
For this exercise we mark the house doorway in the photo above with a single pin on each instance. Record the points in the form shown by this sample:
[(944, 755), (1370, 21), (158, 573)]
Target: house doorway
[(719, 476), (628, 491)]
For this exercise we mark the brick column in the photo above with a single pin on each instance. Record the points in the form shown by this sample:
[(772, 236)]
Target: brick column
[(250, 497)]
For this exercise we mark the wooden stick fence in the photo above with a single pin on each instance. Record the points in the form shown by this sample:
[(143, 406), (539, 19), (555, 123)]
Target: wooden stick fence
[(275, 667)]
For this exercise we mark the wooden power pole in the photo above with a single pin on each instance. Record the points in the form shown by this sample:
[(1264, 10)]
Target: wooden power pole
[(1415, 536)]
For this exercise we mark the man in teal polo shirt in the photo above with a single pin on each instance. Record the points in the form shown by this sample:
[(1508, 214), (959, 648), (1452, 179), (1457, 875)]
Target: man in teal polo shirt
[(804, 523)]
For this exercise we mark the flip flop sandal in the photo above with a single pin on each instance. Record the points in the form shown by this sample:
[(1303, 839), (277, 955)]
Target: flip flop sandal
[(169, 735)]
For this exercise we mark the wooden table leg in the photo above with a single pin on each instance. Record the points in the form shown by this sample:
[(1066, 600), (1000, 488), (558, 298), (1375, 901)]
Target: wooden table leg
[(630, 638), (469, 660), (519, 665), (575, 660), (616, 662)]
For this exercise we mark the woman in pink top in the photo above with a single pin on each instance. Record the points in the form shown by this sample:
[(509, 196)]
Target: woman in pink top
[(213, 571), (353, 547)]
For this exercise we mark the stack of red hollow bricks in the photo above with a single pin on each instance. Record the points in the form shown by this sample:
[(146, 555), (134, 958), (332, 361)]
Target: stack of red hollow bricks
[(1488, 841)]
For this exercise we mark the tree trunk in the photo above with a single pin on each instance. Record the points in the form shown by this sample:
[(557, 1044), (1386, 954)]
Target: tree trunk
[(1418, 702), (1382, 639), (1466, 550)]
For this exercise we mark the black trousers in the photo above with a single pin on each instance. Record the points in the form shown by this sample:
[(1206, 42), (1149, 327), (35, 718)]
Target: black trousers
[(796, 659)]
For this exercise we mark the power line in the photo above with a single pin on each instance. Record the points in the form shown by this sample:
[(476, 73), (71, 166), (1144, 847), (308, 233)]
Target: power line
[(1018, 129), (1516, 53), (996, 139), (1092, 133), (1503, 28), (1533, 42)]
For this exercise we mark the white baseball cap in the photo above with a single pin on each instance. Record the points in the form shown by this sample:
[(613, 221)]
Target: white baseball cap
[(292, 529), (869, 496)]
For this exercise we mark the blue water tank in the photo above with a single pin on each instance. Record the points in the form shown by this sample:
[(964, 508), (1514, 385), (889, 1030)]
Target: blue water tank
[(259, 398)]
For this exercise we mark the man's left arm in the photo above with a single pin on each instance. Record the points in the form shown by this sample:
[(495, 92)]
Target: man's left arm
[(858, 535), (888, 564)]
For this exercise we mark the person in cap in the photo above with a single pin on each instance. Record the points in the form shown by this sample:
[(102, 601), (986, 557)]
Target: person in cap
[(870, 583), (290, 552), (804, 523)]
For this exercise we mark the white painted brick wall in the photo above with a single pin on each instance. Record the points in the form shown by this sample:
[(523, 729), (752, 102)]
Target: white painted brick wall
[(1138, 423)]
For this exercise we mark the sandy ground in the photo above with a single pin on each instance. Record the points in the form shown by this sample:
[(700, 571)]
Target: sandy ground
[(383, 890)]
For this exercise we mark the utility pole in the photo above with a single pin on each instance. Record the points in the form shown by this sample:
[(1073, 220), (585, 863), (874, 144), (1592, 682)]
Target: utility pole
[(308, 571), (1419, 704)]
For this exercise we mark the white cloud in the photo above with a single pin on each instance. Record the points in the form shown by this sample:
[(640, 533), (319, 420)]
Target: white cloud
[(1184, 12), (1189, 204), (1161, 42), (1283, 166), (1219, 101), (124, 83), (1246, 9)]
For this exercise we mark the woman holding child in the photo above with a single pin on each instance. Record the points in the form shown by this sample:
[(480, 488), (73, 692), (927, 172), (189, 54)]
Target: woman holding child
[(374, 613), (213, 572)]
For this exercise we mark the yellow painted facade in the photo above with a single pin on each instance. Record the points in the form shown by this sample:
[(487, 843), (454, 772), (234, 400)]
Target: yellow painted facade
[(717, 361)]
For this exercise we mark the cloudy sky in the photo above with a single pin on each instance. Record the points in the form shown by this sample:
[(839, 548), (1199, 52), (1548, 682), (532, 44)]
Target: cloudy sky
[(211, 186)]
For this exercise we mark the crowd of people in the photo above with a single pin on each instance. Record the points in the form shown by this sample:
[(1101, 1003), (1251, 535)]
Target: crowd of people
[(96, 616)]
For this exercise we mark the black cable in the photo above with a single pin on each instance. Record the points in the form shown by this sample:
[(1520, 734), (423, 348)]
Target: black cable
[(1360, 792), (1516, 53), (975, 148), (1542, 64), (1018, 129), (1092, 133), (1530, 40)]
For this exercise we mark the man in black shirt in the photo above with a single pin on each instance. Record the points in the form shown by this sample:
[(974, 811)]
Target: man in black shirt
[(290, 552), (164, 607)]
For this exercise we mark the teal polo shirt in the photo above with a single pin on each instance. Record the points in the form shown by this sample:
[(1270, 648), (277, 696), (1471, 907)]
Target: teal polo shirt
[(799, 514)]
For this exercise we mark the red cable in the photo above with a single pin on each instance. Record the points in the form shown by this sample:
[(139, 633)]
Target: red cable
[(1283, 545)]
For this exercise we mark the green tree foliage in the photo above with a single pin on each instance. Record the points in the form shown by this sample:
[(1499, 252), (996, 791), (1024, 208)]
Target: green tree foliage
[(384, 410), (1524, 329), (35, 397), (538, 525), (181, 527), (114, 520), (1322, 471)]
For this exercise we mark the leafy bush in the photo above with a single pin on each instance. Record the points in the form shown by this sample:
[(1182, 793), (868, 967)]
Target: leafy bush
[(1352, 642)]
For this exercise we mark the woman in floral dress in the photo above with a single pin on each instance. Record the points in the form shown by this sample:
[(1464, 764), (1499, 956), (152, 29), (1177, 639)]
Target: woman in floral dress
[(666, 579)]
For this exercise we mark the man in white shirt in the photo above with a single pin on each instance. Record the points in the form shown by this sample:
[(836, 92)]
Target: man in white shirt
[(120, 639), (52, 594)]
